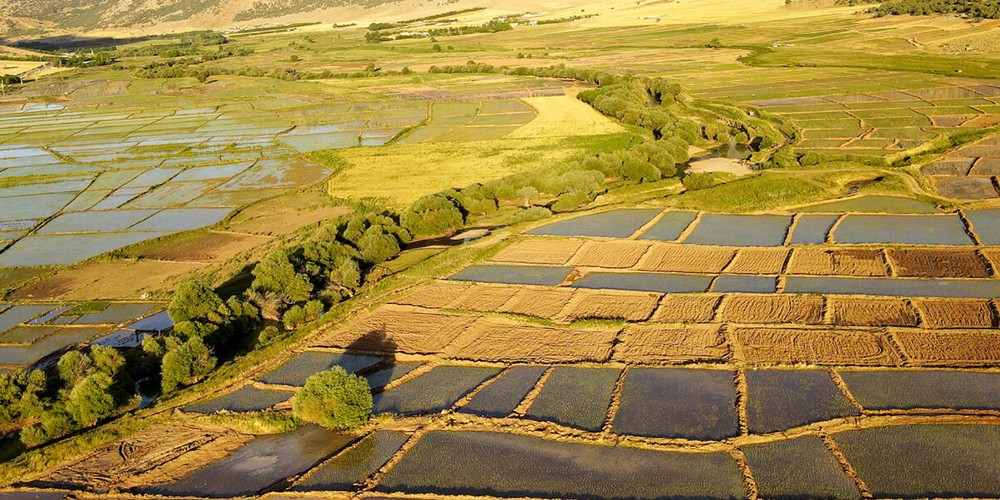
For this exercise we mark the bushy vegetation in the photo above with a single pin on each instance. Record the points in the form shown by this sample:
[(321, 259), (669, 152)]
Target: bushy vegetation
[(977, 9), (334, 399)]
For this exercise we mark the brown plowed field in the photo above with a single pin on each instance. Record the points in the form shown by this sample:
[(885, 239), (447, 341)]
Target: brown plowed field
[(611, 254), (759, 261), (497, 340), (956, 313), (629, 306), (654, 344), (539, 251), (818, 347), (698, 308), (686, 259), (484, 297), (869, 311), (794, 309), (436, 295), (993, 254), (399, 329), (820, 262), (977, 348), (931, 263), (541, 302)]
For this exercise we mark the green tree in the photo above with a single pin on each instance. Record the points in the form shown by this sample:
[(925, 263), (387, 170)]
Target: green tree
[(193, 300), (334, 399), (185, 362), (377, 246), (74, 367), (91, 399), (276, 274)]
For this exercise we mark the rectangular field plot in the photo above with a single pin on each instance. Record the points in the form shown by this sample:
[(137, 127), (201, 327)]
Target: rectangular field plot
[(894, 287), (653, 344), (695, 308), (257, 465), (931, 263), (745, 284), (611, 305), (799, 468), (355, 464), (812, 229), (740, 230), (614, 224), (973, 348), (678, 403), (25, 334), (610, 254), (779, 400), (911, 229), (500, 398), (669, 227), (765, 260), (645, 282), (80, 222), (873, 204), (539, 302), (909, 389), (986, 224), (393, 329), (50, 250), (56, 341), (837, 262), (432, 392), (118, 313), (957, 313), (296, 370), (21, 314), (553, 252), (818, 347), (871, 311), (926, 461), (507, 341), (182, 219), (484, 297), (686, 259), (575, 397), (248, 398), (790, 309), (513, 275), (384, 376), (488, 463)]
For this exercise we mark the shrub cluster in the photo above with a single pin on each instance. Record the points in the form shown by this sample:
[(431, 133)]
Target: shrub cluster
[(976, 9)]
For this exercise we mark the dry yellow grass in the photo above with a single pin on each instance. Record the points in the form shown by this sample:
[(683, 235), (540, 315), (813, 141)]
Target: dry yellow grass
[(562, 116), (483, 297), (18, 67), (437, 295), (109, 280)]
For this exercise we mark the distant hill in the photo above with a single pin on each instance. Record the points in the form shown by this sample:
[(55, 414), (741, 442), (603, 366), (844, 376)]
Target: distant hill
[(89, 15)]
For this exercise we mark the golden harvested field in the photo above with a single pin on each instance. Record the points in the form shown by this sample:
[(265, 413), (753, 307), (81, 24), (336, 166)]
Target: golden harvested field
[(492, 339), (872, 311), (121, 279), (759, 260), (848, 262), (484, 297), (610, 254), (816, 347), (931, 263), (973, 348), (655, 344), (540, 302), (561, 116), (790, 309), (543, 251), (628, 306), (436, 295), (957, 313), (687, 308), (392, 329), (686, 259)]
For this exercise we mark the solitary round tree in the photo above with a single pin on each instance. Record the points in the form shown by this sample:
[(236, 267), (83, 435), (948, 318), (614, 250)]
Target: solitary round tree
[(334, 399)]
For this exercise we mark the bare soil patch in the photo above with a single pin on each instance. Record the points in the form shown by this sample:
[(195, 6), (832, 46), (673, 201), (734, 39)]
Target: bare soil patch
[(285, 214), (611, 254), (871, 311), (681, 308), (656, 344), (437, 295), (109, 280), (792, 309), (759, 260), (399, 329), (539, 251), (933, 263), (957, 313), (975, 348), (818, 347), (847, 262), (492, 339), (200, 246), (629, 306), (686, 259)]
